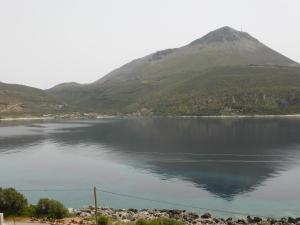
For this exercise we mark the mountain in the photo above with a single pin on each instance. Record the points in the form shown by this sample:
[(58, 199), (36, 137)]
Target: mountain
[(224, 72), (19, 99)]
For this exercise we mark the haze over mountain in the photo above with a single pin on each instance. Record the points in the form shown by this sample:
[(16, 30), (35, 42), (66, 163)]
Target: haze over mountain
[(226, 71)]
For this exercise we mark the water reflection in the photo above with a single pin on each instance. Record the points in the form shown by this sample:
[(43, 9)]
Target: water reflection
[(226, 157)]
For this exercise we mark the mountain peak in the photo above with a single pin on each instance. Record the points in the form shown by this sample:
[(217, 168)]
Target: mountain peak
[(223, 34)]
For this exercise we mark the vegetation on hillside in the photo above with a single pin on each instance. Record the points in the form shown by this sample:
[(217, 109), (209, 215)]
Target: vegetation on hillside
[(215, 91), (19, 100), (225, 72)]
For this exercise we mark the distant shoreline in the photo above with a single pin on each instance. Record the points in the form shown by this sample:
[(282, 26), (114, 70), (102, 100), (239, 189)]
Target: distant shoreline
[(130, 116), (26, 118), (246, 116)]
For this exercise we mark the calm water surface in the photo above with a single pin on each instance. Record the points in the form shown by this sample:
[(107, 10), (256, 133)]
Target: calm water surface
[(249, 165)]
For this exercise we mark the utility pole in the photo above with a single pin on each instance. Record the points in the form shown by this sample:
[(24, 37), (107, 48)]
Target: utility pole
[(96, 205)]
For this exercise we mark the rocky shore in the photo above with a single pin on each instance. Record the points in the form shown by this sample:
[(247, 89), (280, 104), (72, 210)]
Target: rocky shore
[(84, 215)]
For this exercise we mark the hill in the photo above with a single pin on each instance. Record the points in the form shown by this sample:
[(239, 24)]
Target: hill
[(19, 99), (224, 72)]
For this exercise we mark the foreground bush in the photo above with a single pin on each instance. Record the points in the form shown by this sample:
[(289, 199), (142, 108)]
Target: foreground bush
[(51, 209), (12, 202), (141, 222), (29, 211), (102, 220), (161, 221)]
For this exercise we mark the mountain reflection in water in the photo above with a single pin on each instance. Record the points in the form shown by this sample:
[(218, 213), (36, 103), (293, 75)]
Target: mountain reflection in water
[(226, 157)]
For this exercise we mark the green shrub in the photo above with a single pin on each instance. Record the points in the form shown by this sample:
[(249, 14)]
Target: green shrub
[(165, 221), (30, 211), (141, 222), (12, 202), (51, 209), (102, 220), (161, 221)]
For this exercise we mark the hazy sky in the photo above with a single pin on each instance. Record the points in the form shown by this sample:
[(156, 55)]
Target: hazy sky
[(46, 42)]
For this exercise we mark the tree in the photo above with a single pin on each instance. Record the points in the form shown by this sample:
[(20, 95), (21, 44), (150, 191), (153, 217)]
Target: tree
[(12, 202), (51, 209)]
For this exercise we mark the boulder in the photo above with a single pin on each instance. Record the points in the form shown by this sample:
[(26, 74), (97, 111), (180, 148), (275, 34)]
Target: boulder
[(292, 220), (254, 219), (271, 221), (133, 210), (241, 221), (216, 220), (193, 216), (206, 216)]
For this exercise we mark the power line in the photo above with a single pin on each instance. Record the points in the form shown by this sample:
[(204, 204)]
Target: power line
[(58, 190), (136, 197), (173, 203), (141, 198)]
